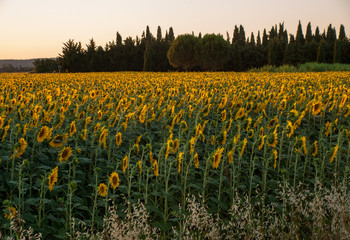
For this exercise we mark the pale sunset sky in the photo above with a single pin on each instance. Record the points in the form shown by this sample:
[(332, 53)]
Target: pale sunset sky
[(38, 28)]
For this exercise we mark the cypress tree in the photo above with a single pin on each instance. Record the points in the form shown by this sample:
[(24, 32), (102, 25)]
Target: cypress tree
[(342, 35), (317, 35), (159, 34), (235, 34), (119, 39), (300, 37), (264, 39), (171, 34), (258, 40), (308, 35)]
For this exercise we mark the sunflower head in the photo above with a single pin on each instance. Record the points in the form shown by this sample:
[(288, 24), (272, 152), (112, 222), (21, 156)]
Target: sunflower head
[(114, 180), (59, 140), (65, 154), (43, 133), (102, 190)]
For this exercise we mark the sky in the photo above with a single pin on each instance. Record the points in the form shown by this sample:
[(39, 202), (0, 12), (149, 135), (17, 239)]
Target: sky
[(38, 28)]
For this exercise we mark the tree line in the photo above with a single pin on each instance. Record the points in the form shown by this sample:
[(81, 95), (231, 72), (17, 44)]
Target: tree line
[(210, 52)]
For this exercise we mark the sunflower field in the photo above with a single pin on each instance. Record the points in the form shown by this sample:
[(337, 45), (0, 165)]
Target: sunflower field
[(73, 145)]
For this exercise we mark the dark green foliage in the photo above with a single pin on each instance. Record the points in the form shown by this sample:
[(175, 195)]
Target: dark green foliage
[(149, 53), (182, 52), (214, 52), (45, 65)]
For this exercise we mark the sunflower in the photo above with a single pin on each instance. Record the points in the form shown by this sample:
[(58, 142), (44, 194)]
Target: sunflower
[(244, 144), (114, 180), (22, 147), (42, 135), (1, 122), (230, 156), (175, 146), (289, 129), (137, 143), (11, 213), (303, 142), (84, 134), (155, 168), (102, 189), (251, 133), (272, 139), (223, 115), (240, 113), (195, 160), (217, 157), (179, 161), (125, 163), (334, 153), (72, 129), (315, 149), (59, 140), (272, 122), (53, 178), (118, 139), (87, 121), (192, 144), (139, 164), (275, 155), (224, 137), (151, 159), (103, 137), (316, 108), (99, 114), (261, 132), (343, 100), (65, 154)]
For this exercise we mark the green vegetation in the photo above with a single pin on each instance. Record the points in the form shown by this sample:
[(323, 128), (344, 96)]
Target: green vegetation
[(306, 67), (237, 53)]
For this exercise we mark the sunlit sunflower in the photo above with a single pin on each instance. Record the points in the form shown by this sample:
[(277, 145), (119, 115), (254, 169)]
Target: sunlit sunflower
[(42, 135), (53, 178), (316, 108), (22, 147), (11, 213), (114, 180), (289, 129), (240, 113), (72, 129), (1, 122), (224, 137), (99, 114), (217, 157), (192, 144), (102, 189), (155, 168), (139, 165), (334, 153), (125, 163), (230, 156), (272, 122), (251, 133), (59, 140), (303, 142), (151, 159), (195, 160), (223, 115), (179, 161), (65, 154), (103, 138), (118, 139), (244, 144), (272, 139), (275, 155)]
